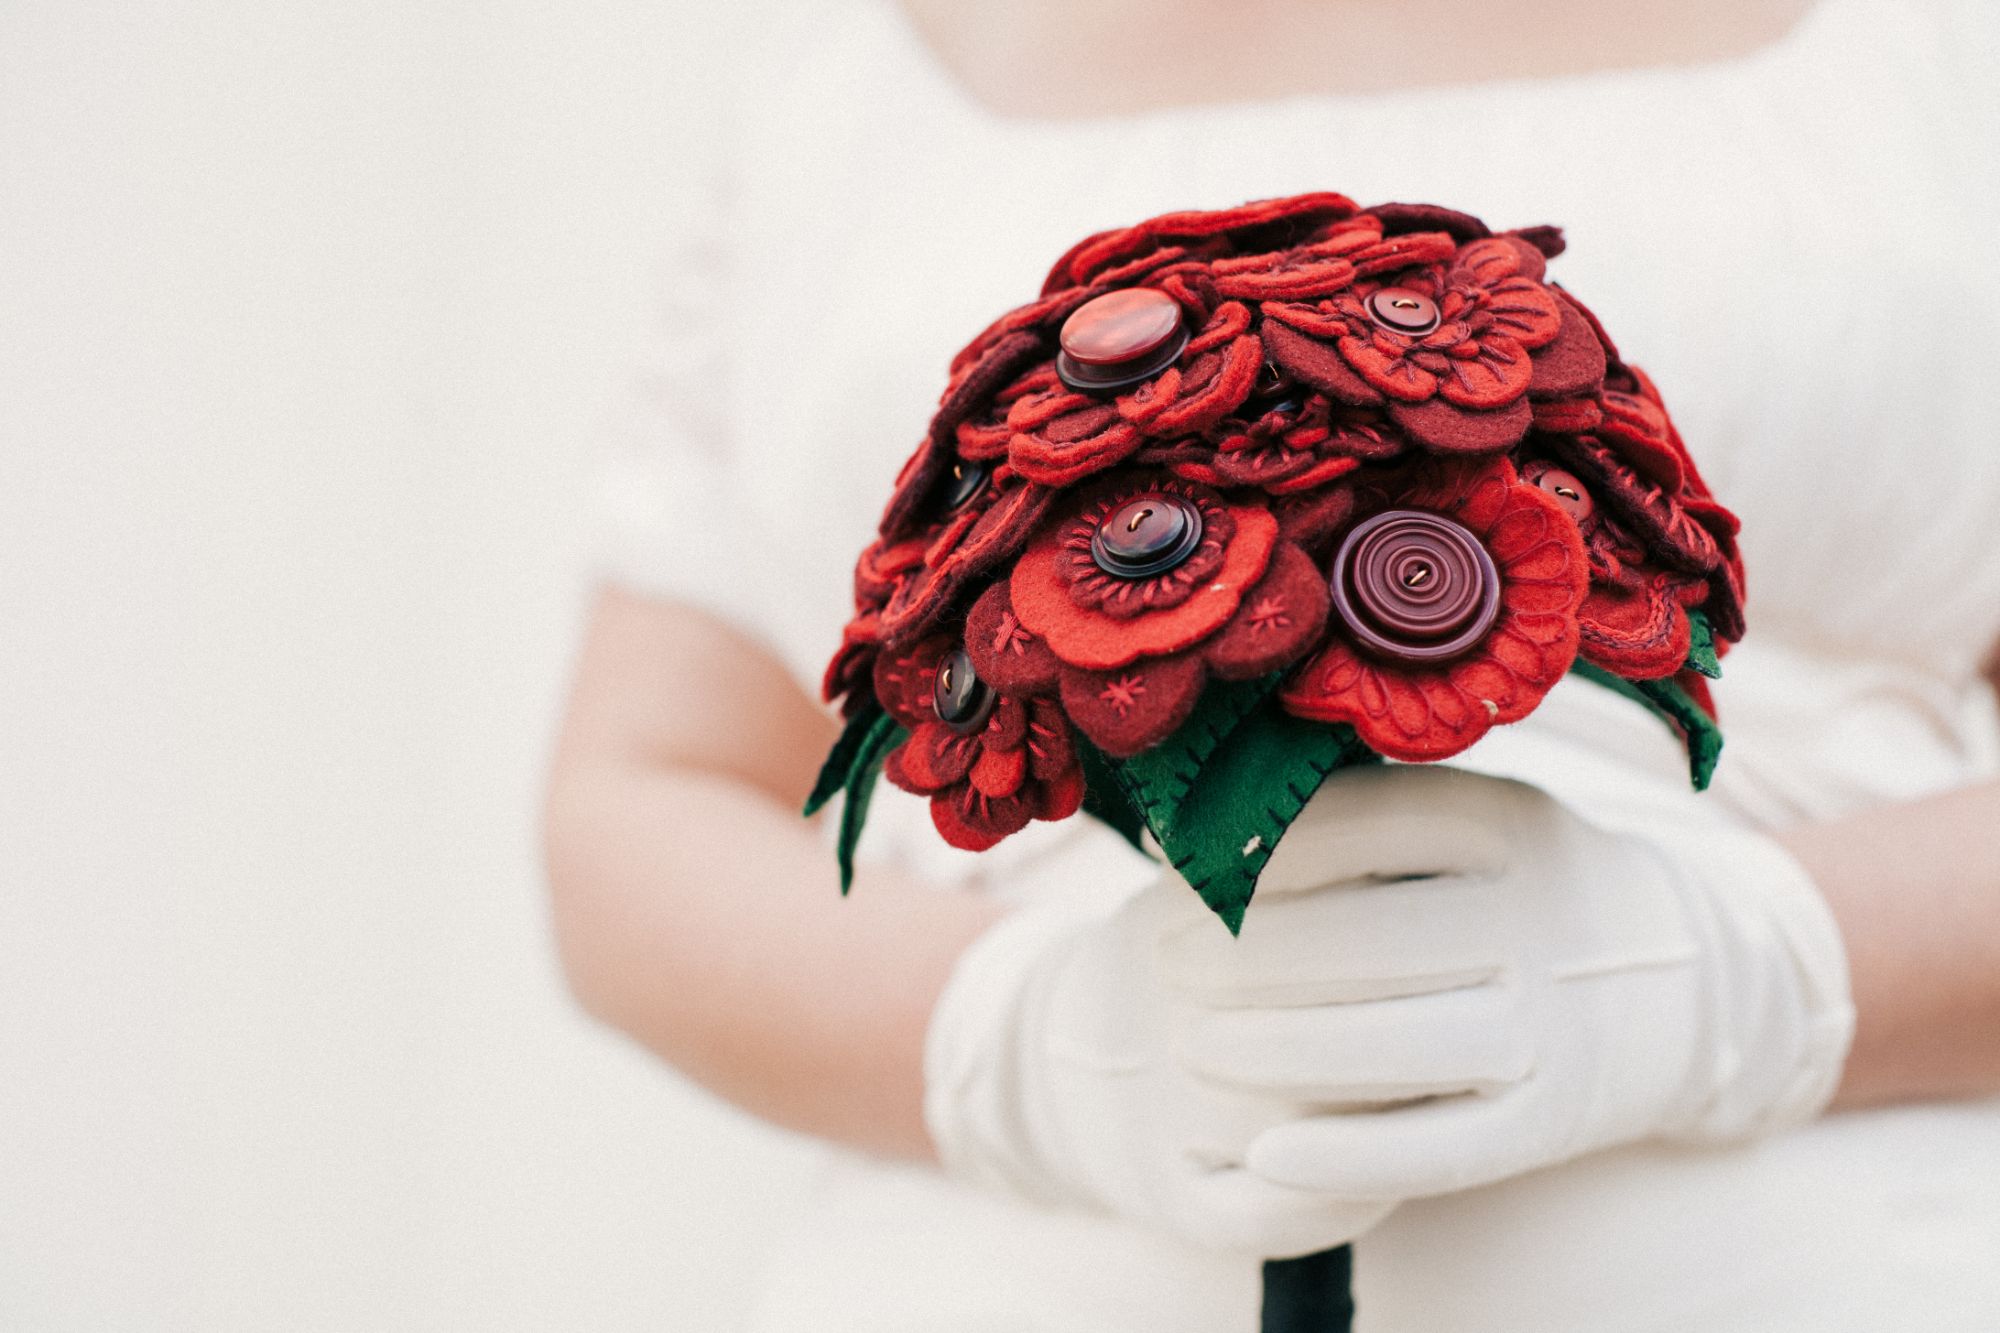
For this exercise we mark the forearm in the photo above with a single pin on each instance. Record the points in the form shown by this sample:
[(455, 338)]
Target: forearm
[(699, 913), (1916, 890)]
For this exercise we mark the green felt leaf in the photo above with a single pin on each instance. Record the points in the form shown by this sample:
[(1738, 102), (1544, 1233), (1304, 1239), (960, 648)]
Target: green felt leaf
[(1104, 798), (1156, 781), (1700, 732), (1220, 792), (884, 735), (833, 774), (1702, 656), (1253, 787)]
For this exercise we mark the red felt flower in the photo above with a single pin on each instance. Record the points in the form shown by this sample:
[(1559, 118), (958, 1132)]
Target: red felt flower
[(1006, 762), (1129, 650), (1635, 462), (962, 542), (1453, 350), (1634, 620), (1433, 709)]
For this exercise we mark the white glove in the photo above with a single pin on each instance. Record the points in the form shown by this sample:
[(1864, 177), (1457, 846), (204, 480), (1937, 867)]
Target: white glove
[(1052, 1075), (1494, 985)]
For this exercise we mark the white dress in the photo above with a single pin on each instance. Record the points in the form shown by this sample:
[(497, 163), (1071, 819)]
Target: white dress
[(1794, 243)]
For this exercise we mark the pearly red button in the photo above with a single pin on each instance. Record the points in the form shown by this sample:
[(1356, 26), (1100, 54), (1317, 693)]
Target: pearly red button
[(1400, 310), (1568, 490), (1119, 339)]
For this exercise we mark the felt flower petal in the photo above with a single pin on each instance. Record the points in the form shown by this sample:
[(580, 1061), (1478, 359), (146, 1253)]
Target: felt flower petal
[(1132, 708), (1447, 429), (1311, 361), (1571, 364), (1004, 653), (1279, 619)]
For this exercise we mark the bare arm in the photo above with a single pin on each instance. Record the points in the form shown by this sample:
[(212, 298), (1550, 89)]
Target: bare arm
[(696, 911), (1916, 890)]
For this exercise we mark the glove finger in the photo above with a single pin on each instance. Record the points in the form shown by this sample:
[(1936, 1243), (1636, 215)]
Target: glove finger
[(1235, 1209), (1410, 1152), (1394, 821), (1389, 1050), (1342, 944)]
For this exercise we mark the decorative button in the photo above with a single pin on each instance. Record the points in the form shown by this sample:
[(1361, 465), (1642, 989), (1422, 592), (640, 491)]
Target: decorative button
[(962, 485), (1414, 586), (1569, 493), (1400, 310), (1120, 338), (963, 701), (1147, 536)]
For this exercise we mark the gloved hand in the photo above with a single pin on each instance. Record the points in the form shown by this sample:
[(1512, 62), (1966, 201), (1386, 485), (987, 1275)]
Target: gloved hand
[(1052, 1075), (1495, 985), (1445, 980)]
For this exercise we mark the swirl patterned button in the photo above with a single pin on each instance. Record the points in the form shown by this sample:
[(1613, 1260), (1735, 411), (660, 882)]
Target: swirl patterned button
[(1413, 586)]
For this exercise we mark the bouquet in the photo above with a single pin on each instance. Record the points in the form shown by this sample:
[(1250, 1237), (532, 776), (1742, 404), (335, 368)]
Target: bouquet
[(1251, 495)]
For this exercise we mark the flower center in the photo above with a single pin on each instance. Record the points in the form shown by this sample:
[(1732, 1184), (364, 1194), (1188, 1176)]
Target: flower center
[(963, 485), (1414, 586), (1147, 536), (1400, 310), (1568, 491), (1120, 338), (963, 701)]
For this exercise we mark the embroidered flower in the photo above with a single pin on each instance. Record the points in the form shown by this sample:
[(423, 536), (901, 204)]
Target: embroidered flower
[(1459, 587), (1131, 597), (1453, 349), (989, 763)]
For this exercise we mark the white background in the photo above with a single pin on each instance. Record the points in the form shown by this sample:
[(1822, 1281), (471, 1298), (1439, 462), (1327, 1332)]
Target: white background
[(309, 315)]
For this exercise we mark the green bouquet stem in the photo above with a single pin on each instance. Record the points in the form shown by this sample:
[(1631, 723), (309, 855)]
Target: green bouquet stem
[(1311, 1294)]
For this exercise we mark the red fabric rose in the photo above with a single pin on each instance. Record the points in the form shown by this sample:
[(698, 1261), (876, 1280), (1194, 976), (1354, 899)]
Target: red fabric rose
[(1017, 764), (1129, 656), (1419, 712), (1497, 335)]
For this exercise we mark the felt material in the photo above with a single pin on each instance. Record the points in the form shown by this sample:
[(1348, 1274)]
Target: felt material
[(1399, 218), (1131, 708), (963, 547), (1573, 363), (995, 368), (833, 774), (1673, 700), (1424, 713), (1004, 653), (1282, 616), (1702, 657), (1444, 429), (1290, 414), (882, 735), (1088, 585), (1085, 637), (1189, 401), (1296, 215), (1220, 793)]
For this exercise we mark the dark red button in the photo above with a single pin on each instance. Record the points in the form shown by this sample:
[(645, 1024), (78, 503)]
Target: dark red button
[(1414, 586), (1400, 310), (1119, 339), (962, 485), (963, 701), (1147, 536), (1568, 490)]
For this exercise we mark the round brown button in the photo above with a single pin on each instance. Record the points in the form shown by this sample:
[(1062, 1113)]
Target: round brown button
[(1568, 490), (962, 485), (963, 701), (1416, 587), (1119, 339), (1400, 310), (1147, 536)]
